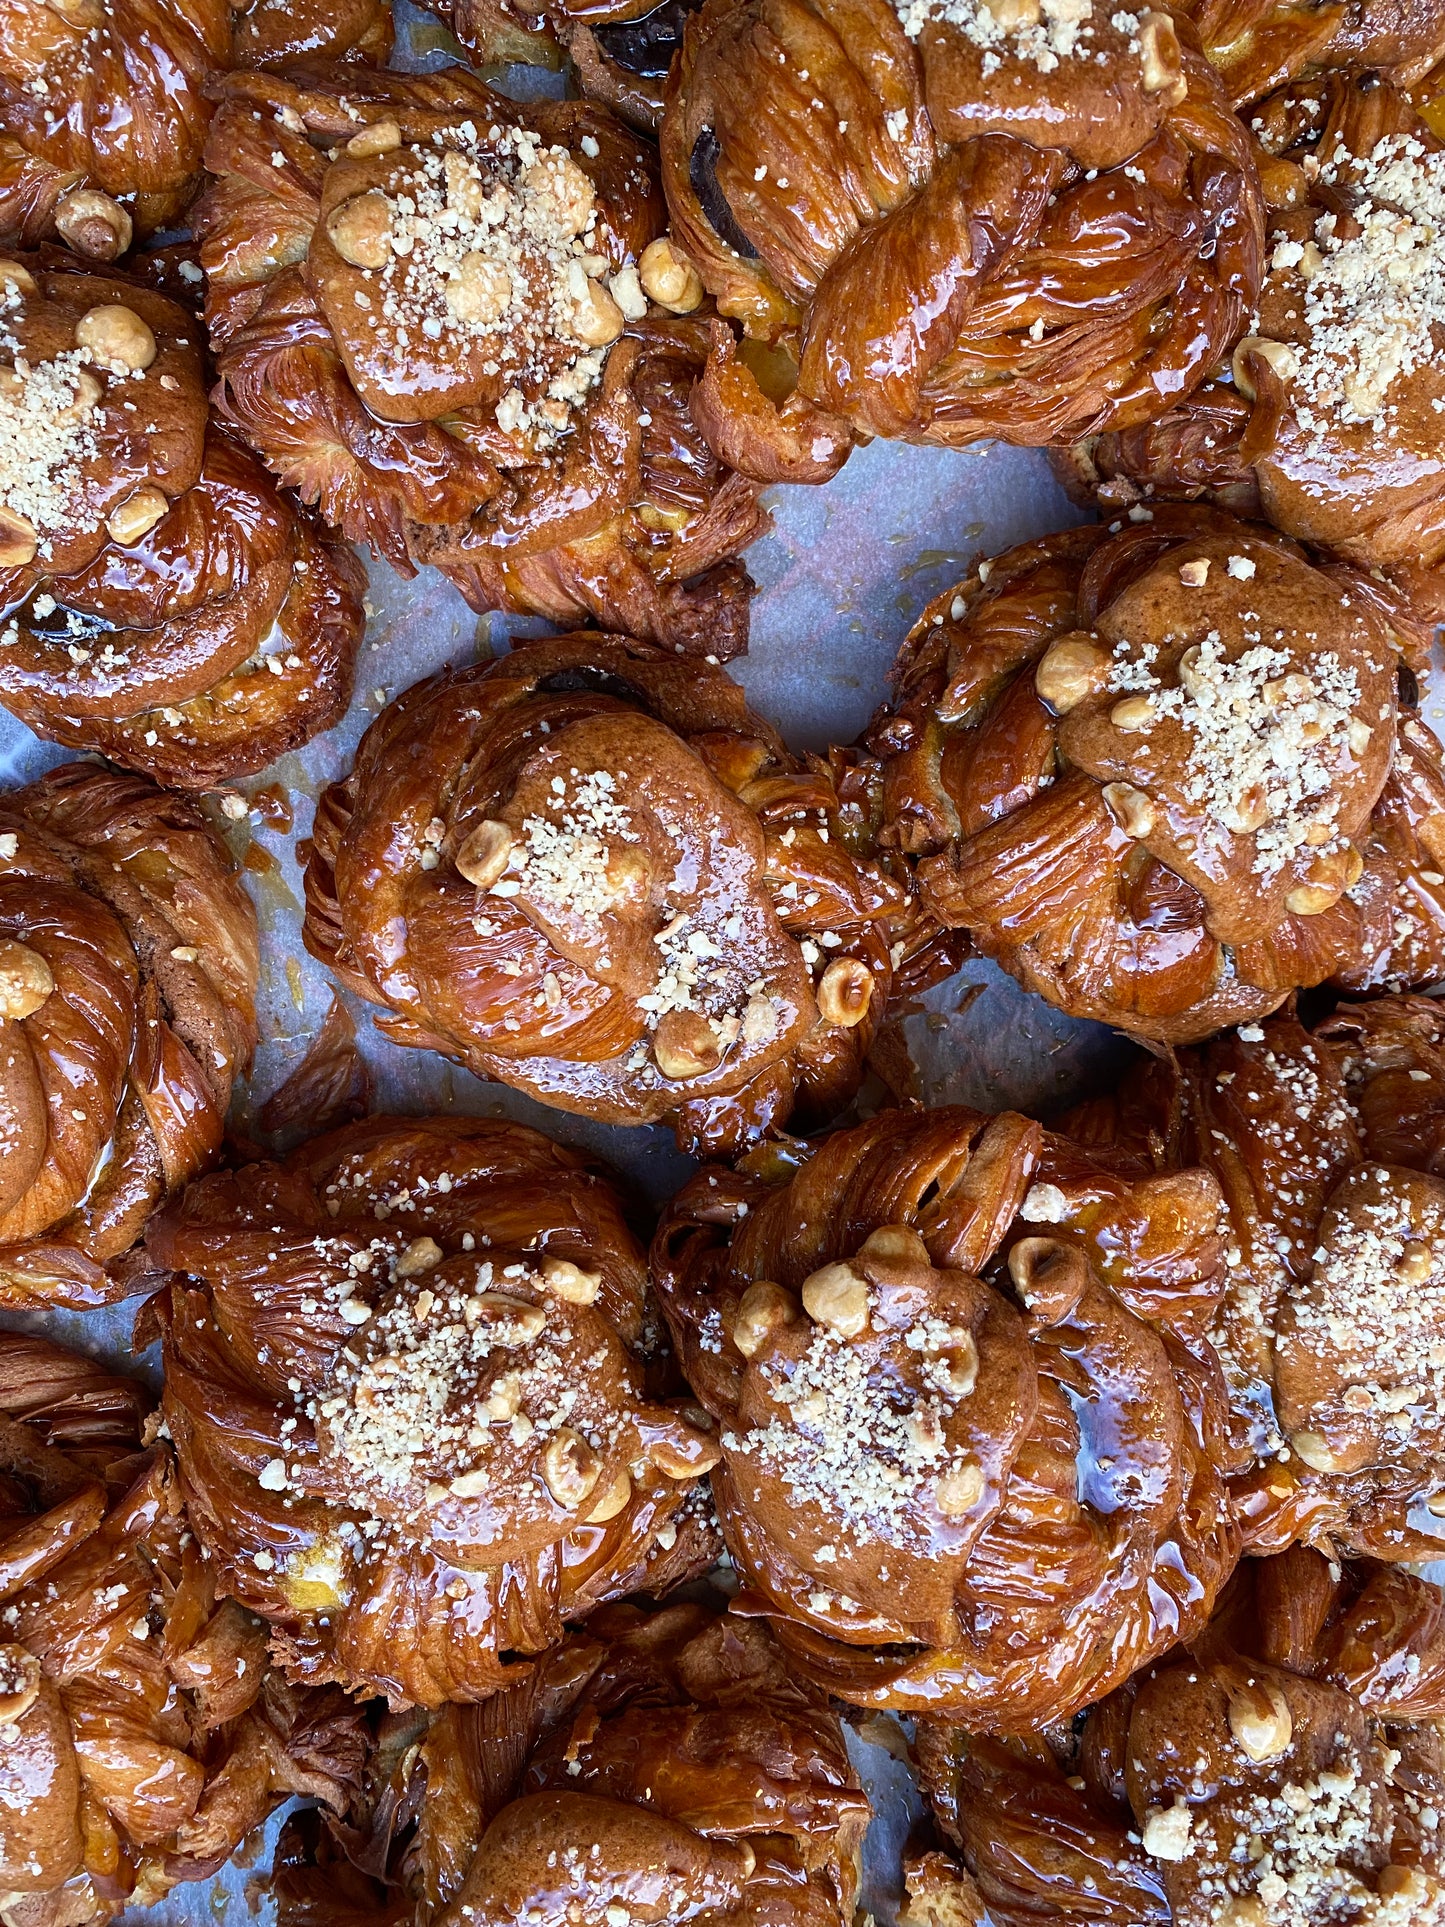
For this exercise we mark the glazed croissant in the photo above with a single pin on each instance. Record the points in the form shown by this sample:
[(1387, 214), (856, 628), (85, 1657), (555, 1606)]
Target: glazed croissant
[(143, 1735), (1257, 45), (104, 109), (664, 1761), (128, 967), (965, 220), (429, 313), (1285, 1771), (1161, 772), (588, 870), (160, 600), (1327, 1144), (1330, 424), (406, 1380), (967, 1468)]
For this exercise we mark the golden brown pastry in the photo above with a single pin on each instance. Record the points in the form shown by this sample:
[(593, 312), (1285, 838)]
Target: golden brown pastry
[(406, 1376), (160, 600), (963, 219), (104, 109), (142, 1735), (128, 966), (1257, 45), (1287, 1770), (969, 1466), (590, 871), (1329, 424), (665, 1762), (1329, 1147), (436, 313), (1161, 771)]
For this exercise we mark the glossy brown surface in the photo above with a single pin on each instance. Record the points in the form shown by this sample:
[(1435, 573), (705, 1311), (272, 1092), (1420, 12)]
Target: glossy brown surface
[(1327, 1147), (178, 613), (1258, 45), (1367, 481), (1285, 1771), (143, 1733), (968, 1468), (128, 964), (949, 245), (672, 896), (665, 1761), (625, 517), (406, 1376), (104, 101), (1188, 825)]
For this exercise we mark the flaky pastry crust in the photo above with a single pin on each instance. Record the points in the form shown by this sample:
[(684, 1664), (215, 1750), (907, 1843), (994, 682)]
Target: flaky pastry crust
[(160, 600), (143, 1733), (954, 225), (405, 1376), (128, 967), (1258, 45), (967, 1469), (1329, 423), (590, 871), (1161, 771), (1286, 1770), (482, 383), (104, 108), (664, 1761)]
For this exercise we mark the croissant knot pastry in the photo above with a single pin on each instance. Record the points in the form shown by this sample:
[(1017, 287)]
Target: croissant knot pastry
[(1258, 45), (1328, 423), (590, 871), (436, 313), (1327, 1144), (965, 219), (664, 1762), (406, 1376), (1161, 772), (968, 1467), (141, 1734), (128, 968), (160, 600), (1285, 1770), (104, 108)]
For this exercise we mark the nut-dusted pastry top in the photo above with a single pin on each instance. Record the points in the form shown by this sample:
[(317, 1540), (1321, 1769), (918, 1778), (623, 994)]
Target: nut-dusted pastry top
[(1286, 1771), (968, 1467), (1161, 772), (455, 322), (1258, 45), (142, 1735), (406, 1376), (104, 108), (1329, 426), (128, 967), (969, 219), (160, 600), (590, 871), (665, 1763), (1327, 1147)]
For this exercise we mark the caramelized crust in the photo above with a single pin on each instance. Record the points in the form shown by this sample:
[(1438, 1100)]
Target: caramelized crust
[(1327, 1147), (967, 1468), (406, 1380), (104, 109), (664, 1761), (1160, 772), (160, 600), (1285, 1771), (1258, 45), (128, 965), (144, 1735), (482, 383), (965, 221), (1330, 426), (589, 871)]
